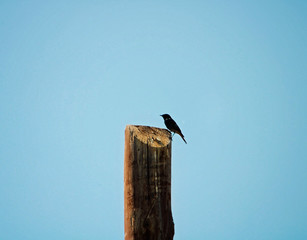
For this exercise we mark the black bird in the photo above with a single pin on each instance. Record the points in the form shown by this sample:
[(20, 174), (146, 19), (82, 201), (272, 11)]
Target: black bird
[(172, 125)]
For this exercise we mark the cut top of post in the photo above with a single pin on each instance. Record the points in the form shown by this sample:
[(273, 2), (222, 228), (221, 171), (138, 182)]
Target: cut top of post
[(154, 137)]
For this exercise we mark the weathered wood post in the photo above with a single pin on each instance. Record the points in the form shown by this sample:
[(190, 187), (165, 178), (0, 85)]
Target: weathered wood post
[(147, 184)]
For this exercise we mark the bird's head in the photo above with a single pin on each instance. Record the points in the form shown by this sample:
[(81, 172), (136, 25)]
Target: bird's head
[(165, 116)]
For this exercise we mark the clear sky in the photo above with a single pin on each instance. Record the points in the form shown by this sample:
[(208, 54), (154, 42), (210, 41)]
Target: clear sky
[(233, 74)]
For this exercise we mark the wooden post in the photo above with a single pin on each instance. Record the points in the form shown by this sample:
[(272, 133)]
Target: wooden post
[(147, 184)]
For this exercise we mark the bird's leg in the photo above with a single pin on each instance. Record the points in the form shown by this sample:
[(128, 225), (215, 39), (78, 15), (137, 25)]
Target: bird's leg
[(172, 136)]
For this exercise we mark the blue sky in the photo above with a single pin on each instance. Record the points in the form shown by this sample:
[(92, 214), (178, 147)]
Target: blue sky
[(232, 74)]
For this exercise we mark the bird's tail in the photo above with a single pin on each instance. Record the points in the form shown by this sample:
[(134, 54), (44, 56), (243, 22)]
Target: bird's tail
[(181, 135)]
